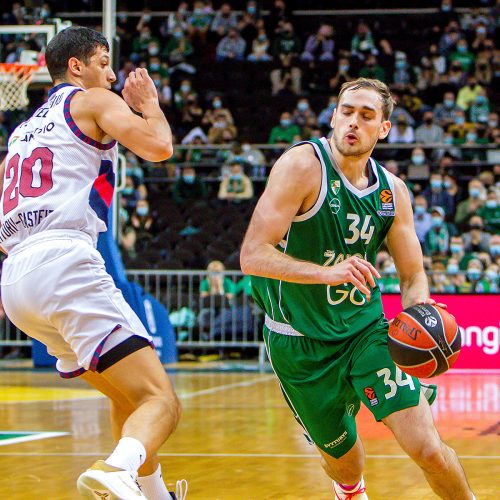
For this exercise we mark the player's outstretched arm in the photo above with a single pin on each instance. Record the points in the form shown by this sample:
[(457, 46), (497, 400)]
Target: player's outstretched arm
[(405, 249), (292, 188), (148, 136)]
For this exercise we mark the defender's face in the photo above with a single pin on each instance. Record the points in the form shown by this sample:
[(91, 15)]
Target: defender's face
[(98, 72), (358, 122)]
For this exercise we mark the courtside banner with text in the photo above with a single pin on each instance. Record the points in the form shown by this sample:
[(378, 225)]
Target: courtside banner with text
[(479, 319)]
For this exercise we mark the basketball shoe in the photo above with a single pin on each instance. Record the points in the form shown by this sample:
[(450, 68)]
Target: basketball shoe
[(103, 481), (357, 492)]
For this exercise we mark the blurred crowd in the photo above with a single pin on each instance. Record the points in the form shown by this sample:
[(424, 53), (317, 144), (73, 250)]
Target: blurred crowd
[(445, 84)]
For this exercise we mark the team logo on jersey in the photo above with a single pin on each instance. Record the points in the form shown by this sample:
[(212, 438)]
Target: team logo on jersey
[(13, 139), (370, 394), (335, 185), (387, 202), (335, 205)]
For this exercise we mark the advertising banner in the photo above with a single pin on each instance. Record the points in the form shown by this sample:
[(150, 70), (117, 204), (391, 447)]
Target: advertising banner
[(478, 317)]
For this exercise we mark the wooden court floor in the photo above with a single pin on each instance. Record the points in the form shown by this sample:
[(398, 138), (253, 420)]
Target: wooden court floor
[(237, 439)]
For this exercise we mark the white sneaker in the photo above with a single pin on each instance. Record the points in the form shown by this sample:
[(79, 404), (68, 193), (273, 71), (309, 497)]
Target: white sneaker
[(357, 493), (105, 482)]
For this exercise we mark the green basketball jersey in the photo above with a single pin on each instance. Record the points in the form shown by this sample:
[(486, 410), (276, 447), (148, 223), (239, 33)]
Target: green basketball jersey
[(344, 221)]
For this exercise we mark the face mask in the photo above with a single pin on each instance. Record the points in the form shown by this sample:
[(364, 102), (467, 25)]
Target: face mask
[(285, 122), (178, 34), (303, 106), (473, 274), (188, 178), (471, 137), (417, 159), (474, 192), (491, 203), (217, 104), (146, 18), (251, 9), (437, 221), (142, 211), (236, 177), (153, 51), (185, 88), (246, 148), (419, 209), (481, 31), (495, 249), (459, 120), (449, 103), (390, 269), (452, 268), (153, 67), (493, 123), (157, 82), (198, 12), (262, 38), (448, 140), (439, 278), (446, 8), (462, 49), (219, 124), (400, 64), (481, 99), (436, 184), (491, 275), (127, 191), (344, 68), (447, 184), (456, 248)]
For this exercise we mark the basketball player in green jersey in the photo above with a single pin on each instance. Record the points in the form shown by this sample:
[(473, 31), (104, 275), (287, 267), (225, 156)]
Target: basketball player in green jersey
[(311, 246)]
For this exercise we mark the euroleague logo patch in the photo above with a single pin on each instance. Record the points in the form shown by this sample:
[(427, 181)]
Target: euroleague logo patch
[(387, 202), (431, 321), (370, 394)]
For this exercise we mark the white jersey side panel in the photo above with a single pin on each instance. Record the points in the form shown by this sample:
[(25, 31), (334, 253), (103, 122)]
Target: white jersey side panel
[(55, 176)]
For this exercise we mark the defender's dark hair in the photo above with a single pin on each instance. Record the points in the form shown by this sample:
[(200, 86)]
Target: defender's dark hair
[(76, 41)]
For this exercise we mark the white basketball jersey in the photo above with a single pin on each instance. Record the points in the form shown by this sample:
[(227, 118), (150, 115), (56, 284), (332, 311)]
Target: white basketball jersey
[(55, 176)]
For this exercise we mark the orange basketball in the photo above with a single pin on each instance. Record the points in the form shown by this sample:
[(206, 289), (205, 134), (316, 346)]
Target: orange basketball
[(424, 340)]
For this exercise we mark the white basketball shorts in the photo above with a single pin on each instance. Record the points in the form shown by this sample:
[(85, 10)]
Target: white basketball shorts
[(55, 288)]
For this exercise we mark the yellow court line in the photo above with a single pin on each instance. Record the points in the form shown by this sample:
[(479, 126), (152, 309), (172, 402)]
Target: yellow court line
[(16, 394)]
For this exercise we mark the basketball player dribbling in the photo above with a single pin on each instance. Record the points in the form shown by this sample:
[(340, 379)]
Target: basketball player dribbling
[(58, 179), (311, 245)]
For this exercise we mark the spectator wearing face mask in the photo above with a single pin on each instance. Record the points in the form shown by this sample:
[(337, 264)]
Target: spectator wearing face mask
[(490, 281), (463, 55), (429, 132), (320, 46), (490, 212), (260, 47), (421, 218), (344, 74), (182, 95), (495, 247), (142, 221), (458, 253), (476, 240), (217, 110), (468, 93), (402, 132), (232, 47), (440, 282), (474, 273), (224, 21), (178, 48), (129, 194), (236, 186), (437, 196), (389, 282), (326, 114), (372, 69), (302, 113), (437, 239), (419, 168), (479, 110), (444, 112), (189, 187), (253, 157), (221, 129), (198, 23), (285, 132), (470, 206)]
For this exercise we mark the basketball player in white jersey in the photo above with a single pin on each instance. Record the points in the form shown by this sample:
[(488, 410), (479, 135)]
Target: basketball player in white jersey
[(58, 179)]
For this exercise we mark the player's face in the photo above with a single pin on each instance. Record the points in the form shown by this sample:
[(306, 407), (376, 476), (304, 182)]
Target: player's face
[(98, 72), (358, 122)]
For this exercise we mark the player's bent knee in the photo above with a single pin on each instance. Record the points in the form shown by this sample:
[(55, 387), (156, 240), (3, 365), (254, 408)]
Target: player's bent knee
[(344, 471), (431, 457)]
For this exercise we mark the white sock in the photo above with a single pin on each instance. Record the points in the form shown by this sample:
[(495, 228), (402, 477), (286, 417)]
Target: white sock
[(153, 486), (129, 454)]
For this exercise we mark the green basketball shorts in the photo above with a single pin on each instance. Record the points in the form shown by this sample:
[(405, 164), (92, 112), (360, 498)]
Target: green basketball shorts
[(325, 382)]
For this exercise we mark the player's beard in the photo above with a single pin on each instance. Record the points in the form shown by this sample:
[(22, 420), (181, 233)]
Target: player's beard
[(355, 150)]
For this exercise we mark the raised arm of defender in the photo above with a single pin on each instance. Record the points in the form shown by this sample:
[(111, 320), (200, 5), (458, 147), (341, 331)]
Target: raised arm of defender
[(293, 188), (99, 109)]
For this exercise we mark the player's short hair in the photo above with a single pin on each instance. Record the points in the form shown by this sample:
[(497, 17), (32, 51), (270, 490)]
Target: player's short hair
[(75, 41), (380, 87)]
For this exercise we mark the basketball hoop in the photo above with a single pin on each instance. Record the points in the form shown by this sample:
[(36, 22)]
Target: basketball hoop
[(14, 81)]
